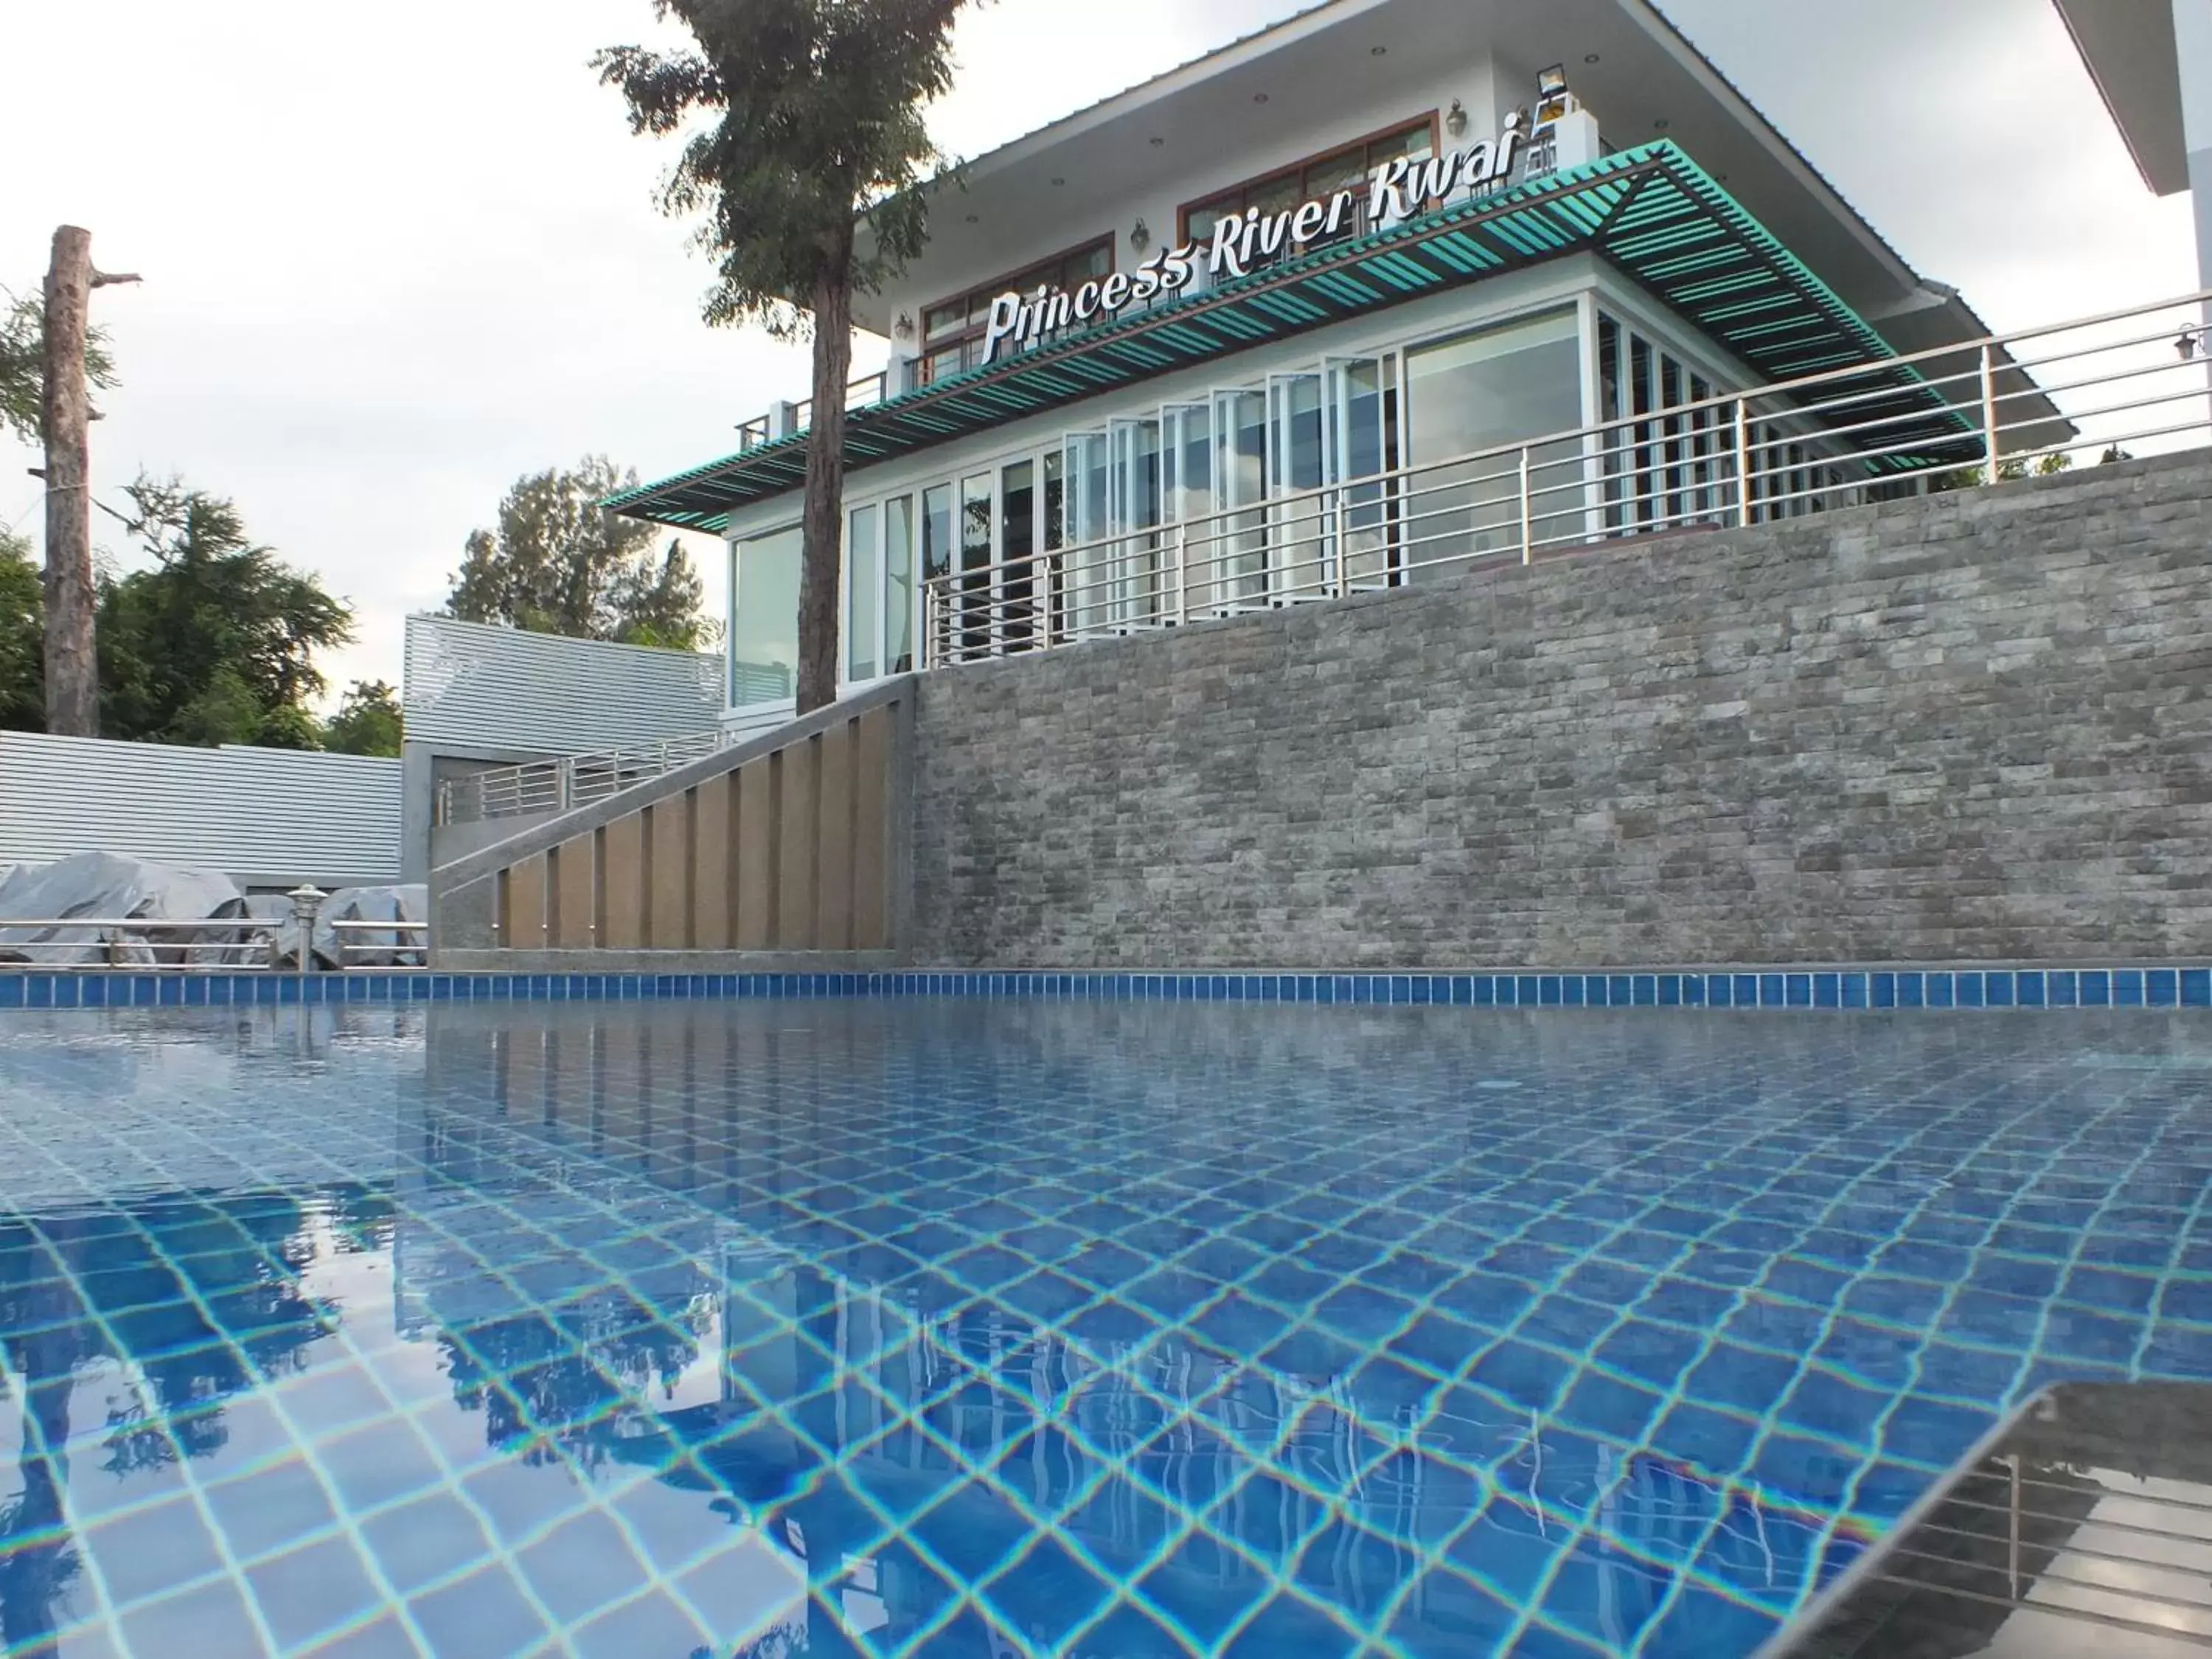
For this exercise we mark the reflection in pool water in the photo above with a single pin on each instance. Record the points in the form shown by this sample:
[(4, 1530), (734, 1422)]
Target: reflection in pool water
[(989, 1329)]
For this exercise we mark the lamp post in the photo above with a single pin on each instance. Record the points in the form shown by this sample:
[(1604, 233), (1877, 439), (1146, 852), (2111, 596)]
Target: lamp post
[(307, 905)]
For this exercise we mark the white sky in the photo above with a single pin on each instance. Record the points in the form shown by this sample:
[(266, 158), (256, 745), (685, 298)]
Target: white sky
[(396, 257)]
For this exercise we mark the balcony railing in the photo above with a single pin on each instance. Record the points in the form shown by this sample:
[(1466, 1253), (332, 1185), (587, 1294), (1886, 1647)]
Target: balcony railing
[(862, 393), (2133, 377)]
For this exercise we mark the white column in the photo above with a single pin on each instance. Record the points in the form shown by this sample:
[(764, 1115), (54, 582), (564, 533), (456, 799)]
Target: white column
[(2192, 41)]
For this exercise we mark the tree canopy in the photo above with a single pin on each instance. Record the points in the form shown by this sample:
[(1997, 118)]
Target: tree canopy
[(22, 642), (801, 120), (367, 722), (560, 564), (213, 644), (24, 363), (816, 118)]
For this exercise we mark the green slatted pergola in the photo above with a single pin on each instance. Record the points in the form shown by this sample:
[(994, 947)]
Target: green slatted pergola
[(1652, 211)]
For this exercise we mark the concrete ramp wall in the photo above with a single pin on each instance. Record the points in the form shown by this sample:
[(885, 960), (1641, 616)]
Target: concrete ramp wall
[(787, 850)]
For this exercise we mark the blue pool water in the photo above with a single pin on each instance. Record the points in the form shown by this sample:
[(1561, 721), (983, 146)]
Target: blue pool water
[(966, 1329)]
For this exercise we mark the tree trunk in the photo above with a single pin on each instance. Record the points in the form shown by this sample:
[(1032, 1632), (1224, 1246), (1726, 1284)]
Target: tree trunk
[(72, 668), (824, 538)]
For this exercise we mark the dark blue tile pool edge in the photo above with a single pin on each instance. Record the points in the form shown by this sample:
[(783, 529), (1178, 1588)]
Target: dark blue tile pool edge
[(1812, 990)]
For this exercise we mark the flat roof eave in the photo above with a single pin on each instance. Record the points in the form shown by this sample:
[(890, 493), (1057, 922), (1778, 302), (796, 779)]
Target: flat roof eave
[(1650, 76), (2130, 50)]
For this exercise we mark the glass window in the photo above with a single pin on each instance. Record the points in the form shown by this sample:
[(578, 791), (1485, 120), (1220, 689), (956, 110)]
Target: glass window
[(1349, 168), (977, 504), (1237, 553), (1055, 535), (1661, 469), (898, 585), (862, 607), (1482, 390), (936, 551), (1086, 494), (764, 619), (952, 332), (1018, 551)]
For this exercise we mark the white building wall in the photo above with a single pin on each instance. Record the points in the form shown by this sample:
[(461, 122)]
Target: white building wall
[(2192, 39), (1486, 87), (264, 817)]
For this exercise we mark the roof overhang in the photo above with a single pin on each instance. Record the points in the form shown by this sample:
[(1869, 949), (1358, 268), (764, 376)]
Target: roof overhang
[(2129, 49), (1653, 213), (1628, 64)]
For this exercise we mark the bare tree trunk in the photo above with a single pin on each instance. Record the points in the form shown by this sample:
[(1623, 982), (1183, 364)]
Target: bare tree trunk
[(72, 668), (824, 538)]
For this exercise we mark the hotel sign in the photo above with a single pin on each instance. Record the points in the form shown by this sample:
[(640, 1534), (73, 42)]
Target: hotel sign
[(1395, 193)]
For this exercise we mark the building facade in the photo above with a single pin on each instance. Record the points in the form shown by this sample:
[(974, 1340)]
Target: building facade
[(2152, 61), (1313, 312)]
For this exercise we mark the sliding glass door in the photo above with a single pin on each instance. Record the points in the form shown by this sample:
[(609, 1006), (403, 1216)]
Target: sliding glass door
[(1091, 574), (1133, 509), (1187, 500), (1482, 392), (1298, 454), (1240, 495), (1361, 444), (879, 591)]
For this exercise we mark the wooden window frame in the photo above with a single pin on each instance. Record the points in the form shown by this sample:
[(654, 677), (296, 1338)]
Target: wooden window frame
[(1016, 281), (1299, 167)]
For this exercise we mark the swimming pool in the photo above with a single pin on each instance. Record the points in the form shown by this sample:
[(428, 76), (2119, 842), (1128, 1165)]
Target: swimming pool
[(947, 1327)]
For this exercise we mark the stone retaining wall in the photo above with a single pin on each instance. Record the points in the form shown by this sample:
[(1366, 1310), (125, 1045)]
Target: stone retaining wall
[(1970, 727)]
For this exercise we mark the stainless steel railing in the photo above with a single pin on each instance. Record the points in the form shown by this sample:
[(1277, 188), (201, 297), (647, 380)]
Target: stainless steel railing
[(566, 781), (1970, 413), (208, 944)]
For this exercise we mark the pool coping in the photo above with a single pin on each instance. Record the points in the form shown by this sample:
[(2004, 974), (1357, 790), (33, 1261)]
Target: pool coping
[(1853, 989)]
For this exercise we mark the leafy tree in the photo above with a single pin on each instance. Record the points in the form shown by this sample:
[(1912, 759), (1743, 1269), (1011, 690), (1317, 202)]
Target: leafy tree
[(367, 722), (24, 363), (560, 564), (215, 643), (805, 122), (22, 638)]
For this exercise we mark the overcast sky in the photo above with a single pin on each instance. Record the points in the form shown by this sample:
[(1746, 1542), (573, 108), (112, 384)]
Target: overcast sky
[(396, 257)]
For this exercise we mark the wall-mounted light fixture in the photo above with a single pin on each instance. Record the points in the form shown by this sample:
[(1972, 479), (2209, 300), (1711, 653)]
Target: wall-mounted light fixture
[(904, 327), (1455, 121), (1140, 236), (1551, 100), (2188, 344)]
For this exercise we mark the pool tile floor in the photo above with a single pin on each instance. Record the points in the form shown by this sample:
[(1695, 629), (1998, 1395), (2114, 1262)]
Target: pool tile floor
[(949, 1326)]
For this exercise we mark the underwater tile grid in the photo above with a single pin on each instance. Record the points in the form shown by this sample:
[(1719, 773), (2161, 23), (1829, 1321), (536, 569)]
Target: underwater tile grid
[(2161, 986), (960, 1326)]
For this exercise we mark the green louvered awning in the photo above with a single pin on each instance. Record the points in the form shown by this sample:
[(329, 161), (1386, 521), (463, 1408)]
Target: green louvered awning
[(1652, 211)]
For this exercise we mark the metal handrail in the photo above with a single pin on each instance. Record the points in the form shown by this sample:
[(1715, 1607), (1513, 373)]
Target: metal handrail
[(562, 783), (1737, 457), (239, 944), (414, 936)]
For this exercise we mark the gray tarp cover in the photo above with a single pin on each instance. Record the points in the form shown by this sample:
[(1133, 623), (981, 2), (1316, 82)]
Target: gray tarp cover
[(241, 930)]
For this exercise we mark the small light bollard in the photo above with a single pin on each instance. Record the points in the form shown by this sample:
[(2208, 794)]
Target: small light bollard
[(307, 905)]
